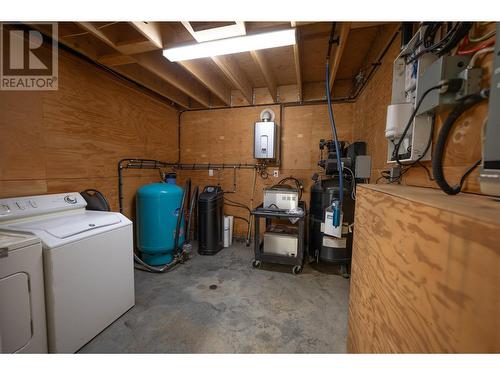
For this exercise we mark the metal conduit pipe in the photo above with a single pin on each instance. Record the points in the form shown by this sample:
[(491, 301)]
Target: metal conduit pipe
[(156, 164)]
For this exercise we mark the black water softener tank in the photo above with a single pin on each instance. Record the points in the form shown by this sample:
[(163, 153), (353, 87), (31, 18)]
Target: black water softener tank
[(210, 220)]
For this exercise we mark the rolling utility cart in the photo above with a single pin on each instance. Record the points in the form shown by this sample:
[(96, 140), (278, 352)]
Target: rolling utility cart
[(280, 247)]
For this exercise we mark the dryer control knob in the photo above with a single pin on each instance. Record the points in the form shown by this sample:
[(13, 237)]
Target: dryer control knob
[(71, 199), (21, 205), (4, 209)]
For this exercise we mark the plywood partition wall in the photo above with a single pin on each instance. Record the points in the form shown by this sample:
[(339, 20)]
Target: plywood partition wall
[(464, 145), (72, 139), (424, 272), (226, 136)]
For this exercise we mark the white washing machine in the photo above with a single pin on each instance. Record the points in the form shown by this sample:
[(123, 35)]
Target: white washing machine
[(88, 264), (22, 302)]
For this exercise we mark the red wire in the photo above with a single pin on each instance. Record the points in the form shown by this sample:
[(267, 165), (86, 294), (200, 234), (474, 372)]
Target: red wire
[(475, 49)]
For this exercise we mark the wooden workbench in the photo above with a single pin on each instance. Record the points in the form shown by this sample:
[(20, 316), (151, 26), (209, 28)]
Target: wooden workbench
[(425, 272)]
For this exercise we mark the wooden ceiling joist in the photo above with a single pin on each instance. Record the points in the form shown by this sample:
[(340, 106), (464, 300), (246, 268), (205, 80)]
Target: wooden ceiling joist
[(98, 33), (125, 66), (235, 75), (151, 31), (364, 25), (297, 62), (134, 49), (147, 79), (115, 60), (260, 61), (200, 70), (338, 51), (153, 61), (229, 69), (170, 72)]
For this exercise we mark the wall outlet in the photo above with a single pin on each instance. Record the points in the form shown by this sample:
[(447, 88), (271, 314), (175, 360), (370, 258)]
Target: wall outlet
[(210, 172), (276, 173)]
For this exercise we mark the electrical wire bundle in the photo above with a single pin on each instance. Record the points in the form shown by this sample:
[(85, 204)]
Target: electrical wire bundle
[(395, 154), (454, 34), (437, 160)]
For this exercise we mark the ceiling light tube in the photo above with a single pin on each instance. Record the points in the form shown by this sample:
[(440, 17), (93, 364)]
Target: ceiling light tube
[(231, 45)]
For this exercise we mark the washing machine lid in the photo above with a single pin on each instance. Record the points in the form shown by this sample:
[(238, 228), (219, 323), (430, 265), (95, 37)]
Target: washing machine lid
[(14, 240), (71, 225)]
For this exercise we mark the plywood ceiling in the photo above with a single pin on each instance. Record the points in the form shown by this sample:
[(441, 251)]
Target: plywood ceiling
[(133, 49)]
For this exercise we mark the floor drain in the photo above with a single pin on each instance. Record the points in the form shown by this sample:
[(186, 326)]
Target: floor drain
[(213, 286)]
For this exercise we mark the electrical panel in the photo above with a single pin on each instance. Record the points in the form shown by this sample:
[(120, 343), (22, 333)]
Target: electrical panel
[(437, 83), (489, 176), (406, 86), (265, 140)]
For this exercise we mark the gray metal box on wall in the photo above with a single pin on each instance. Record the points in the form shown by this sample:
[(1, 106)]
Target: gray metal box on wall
[(265, 140), (445, 68), (363, 167)]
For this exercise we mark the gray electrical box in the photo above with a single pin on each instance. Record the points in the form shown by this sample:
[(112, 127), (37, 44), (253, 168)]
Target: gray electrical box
[(363, 167), (265, 140), (489, 176), (444, 68)]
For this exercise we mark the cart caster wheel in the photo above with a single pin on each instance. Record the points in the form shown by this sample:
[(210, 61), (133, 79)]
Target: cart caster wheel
[(296, 270), (344, 271), (256, 263)]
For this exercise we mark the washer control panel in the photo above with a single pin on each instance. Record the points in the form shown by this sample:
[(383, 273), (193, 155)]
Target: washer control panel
[(16, 208)]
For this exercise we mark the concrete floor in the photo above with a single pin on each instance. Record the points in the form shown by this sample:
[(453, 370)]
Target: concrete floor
[(220, 304)]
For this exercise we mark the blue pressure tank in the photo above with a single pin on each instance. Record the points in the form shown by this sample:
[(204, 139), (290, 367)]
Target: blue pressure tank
[(157, 208)]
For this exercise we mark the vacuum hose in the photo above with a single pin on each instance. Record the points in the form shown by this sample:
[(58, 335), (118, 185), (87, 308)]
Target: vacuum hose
[(179, 256), (437, 160)]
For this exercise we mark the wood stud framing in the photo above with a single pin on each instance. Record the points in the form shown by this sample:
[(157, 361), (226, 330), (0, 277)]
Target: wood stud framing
[(335, 60), (297, 62), (265, 70), (134, 49)]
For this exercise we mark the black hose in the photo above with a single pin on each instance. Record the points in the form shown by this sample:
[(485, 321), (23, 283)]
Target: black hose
[(406, 33), (395, 154), (194, 200), (187, 187), (331, 40), (437, 159)]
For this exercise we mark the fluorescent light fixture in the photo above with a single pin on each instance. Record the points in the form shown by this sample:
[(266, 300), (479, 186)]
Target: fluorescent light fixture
[(231, 45)]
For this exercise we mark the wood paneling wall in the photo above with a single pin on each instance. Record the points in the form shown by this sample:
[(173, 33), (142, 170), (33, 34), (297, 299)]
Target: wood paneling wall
[(72, 139), (226, 136), (464, 145), (424, 272)]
